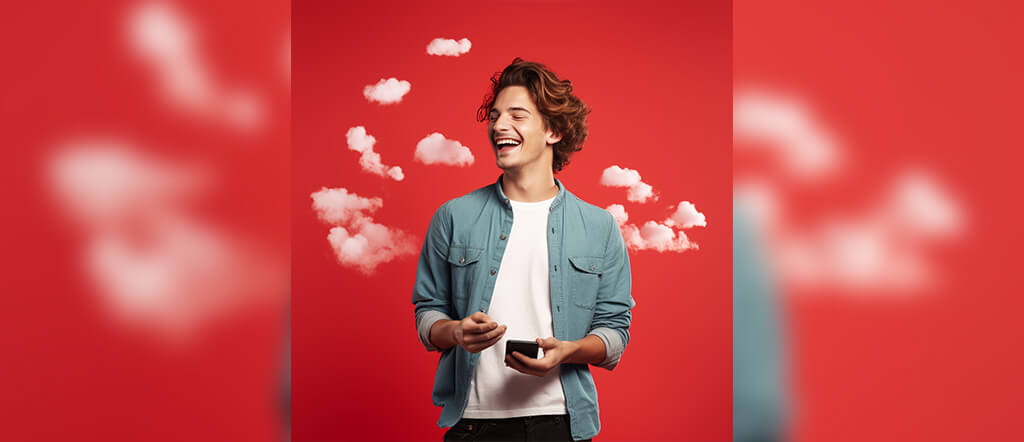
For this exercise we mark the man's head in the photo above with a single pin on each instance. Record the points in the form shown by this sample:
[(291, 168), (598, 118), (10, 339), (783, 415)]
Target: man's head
[(533, 117)]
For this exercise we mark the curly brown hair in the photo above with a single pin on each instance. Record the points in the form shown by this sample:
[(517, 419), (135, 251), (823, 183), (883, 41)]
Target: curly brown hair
[(563, 112)]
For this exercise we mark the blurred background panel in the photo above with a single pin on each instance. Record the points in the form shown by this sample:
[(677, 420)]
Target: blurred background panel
[(145, 223), (877, 148)]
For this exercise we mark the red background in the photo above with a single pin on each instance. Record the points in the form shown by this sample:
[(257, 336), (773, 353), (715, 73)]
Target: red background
[(935, 86), (659, 81)]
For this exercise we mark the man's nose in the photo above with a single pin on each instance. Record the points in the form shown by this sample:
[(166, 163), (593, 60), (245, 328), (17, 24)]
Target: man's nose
[(501, 125)]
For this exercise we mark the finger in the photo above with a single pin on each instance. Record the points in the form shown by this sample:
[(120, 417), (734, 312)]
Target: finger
[(518, 366), (547, 343), (479, 347), (483, 337), (528, 362), (479, 327)]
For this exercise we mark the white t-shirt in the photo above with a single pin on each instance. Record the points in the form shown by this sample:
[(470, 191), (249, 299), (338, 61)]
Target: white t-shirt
[(521, 300)]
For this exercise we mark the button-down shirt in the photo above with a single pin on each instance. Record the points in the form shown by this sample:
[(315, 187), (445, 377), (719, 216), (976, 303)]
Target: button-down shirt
[(589, 285)]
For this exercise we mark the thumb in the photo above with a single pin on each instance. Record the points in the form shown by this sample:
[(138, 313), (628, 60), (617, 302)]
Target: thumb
[(547, 343)]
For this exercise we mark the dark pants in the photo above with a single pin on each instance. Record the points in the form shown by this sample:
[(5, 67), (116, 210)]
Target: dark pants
[(530, 428)]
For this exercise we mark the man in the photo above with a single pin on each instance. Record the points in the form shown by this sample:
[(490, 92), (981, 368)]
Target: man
[(523, 259)]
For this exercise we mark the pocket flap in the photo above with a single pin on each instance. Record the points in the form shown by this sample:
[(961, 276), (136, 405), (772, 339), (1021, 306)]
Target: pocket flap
[(462, 256), (588, 264)]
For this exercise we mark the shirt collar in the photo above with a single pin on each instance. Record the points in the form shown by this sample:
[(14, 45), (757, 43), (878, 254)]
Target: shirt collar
[(504, 199)]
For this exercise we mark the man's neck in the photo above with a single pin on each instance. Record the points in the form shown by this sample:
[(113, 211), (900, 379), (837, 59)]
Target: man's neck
[(529, 187)]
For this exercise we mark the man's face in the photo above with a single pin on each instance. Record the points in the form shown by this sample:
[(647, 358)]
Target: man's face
[(517, 131)]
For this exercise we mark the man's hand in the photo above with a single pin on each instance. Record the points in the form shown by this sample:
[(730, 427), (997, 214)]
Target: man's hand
[(477, 332), (555, 353), (589, 350)]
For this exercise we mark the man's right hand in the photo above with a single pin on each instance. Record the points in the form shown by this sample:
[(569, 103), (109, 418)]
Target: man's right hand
[(477, 332), (474, 333)]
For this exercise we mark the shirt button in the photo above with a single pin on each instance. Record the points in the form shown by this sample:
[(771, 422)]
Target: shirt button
[(591, 268), (503, 236), (462, 261), (493, 272)]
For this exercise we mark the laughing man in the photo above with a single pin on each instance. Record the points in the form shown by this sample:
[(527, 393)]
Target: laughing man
[(523, 259)]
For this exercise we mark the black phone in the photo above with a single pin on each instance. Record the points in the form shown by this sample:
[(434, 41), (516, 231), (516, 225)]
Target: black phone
[(527, 348)]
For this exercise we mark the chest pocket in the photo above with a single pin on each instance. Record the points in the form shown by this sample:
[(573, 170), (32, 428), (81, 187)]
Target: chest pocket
[(462, 256), (585, 280), (463, 261)]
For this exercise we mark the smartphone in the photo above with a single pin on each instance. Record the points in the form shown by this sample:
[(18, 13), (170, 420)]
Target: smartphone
[(527, 348)]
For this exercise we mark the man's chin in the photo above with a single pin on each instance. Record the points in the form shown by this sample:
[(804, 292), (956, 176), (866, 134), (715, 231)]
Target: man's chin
[(501, 159)]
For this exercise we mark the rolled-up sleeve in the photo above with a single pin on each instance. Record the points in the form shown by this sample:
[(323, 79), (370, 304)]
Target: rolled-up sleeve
[(424, 321), (431, 292), (614, 300)]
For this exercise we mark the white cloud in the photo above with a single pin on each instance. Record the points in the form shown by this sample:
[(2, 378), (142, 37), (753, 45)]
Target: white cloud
[(360, 141), (359, 242), (367, 245), (638, 191), (338, 206), (436, 149), (614, 176), (686, 216), (619, 212), (652, 235), (918, 206), (788, 127), (387, 91), (447, 46), (160, 35)]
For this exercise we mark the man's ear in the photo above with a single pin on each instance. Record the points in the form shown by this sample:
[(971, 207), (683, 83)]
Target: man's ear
[(552, 137)]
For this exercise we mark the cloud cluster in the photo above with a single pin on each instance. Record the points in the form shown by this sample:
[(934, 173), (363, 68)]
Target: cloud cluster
[(449, 47), (155, 262), (884, 246), (360, 141), (387, 91), (359, 242), (666, 236), (436, 149), (638, 191)]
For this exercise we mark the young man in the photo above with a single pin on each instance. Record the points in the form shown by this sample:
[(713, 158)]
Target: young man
[(523, 259)]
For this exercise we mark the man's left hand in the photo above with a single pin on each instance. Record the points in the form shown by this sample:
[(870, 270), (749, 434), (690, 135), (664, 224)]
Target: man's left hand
[(555, 352)]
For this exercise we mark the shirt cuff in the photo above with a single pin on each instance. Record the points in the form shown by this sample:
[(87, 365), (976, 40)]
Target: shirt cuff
[(613, 346), (424, 321)]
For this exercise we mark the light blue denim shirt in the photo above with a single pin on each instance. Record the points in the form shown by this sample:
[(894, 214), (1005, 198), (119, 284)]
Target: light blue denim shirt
[(589, 282)]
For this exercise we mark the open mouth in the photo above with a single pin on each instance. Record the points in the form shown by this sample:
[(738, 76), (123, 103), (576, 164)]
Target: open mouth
[(506, 144)]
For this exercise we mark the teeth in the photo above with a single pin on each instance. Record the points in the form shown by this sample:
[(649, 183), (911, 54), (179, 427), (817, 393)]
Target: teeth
[(506, 141)]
